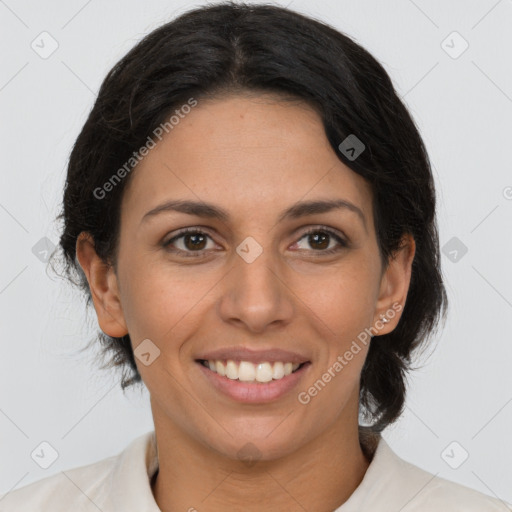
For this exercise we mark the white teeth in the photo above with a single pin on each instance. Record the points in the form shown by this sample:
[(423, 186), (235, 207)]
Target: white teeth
[(219, 368), (264, 372), (246, 371), (278, 371), (231, 370)]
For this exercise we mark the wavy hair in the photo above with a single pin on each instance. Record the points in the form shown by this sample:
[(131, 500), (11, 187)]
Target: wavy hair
[(231, 48)]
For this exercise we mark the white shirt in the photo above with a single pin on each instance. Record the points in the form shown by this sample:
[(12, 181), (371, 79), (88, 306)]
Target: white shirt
[(121, 483)]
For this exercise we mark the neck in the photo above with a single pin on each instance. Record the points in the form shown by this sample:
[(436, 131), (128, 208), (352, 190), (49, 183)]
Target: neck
[(319, 476)]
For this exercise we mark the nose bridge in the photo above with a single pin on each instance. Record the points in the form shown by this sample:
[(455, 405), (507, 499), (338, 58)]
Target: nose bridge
[(257, 271), (255, 292)]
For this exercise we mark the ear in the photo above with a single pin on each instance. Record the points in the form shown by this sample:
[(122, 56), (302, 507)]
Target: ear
[(394, 286), (104, 287)]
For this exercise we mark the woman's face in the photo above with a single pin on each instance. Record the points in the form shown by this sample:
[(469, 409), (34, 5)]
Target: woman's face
[(251, 281)]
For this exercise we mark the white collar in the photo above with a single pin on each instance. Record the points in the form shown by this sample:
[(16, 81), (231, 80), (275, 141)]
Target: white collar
[(390, 483)]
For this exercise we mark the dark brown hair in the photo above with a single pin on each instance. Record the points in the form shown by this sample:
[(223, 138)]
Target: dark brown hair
[(233, 47)]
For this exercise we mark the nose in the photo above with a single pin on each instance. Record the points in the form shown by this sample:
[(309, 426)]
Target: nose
[(256, 293)]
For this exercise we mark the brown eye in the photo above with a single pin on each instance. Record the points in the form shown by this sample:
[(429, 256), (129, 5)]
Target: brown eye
[(320, 240), (194, 241), (188, 241)]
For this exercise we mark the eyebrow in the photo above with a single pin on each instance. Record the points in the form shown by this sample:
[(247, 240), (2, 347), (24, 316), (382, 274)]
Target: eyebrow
[(301, 209)]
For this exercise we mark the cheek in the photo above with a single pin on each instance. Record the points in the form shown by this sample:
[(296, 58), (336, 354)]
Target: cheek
[(160, 302), (344, 299)]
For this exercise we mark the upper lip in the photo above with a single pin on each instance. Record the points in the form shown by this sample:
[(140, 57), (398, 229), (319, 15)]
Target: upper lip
[(253, 356)]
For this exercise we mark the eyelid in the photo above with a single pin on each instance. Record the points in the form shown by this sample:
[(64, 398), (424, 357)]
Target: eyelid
[(327, 229), (340, 237), (193, 230)]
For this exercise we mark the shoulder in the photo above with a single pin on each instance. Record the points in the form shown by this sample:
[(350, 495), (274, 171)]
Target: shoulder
[(392, 483), (120, 482), (77, 488), (432, 492), (427, 491)]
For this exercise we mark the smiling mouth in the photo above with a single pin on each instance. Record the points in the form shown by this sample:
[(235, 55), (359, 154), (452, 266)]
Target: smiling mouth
[(245, 371)]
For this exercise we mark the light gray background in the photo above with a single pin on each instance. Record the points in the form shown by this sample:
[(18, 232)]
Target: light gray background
[(463, 106)]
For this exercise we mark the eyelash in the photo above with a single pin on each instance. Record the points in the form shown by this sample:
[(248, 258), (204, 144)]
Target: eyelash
[(200, 253)]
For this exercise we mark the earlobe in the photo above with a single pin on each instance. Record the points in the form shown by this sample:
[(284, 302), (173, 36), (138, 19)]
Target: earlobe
[(394, 286), (103, 285)]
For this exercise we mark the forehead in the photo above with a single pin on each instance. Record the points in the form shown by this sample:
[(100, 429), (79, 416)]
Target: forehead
[(256, 153)]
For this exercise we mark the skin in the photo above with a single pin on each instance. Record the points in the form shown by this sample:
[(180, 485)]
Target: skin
[(254, 156)]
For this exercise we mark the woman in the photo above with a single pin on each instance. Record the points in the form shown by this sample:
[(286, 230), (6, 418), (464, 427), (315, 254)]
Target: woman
[(251, 210)]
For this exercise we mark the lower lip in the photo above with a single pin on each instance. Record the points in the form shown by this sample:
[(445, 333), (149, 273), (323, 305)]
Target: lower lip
[(254, 392)]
